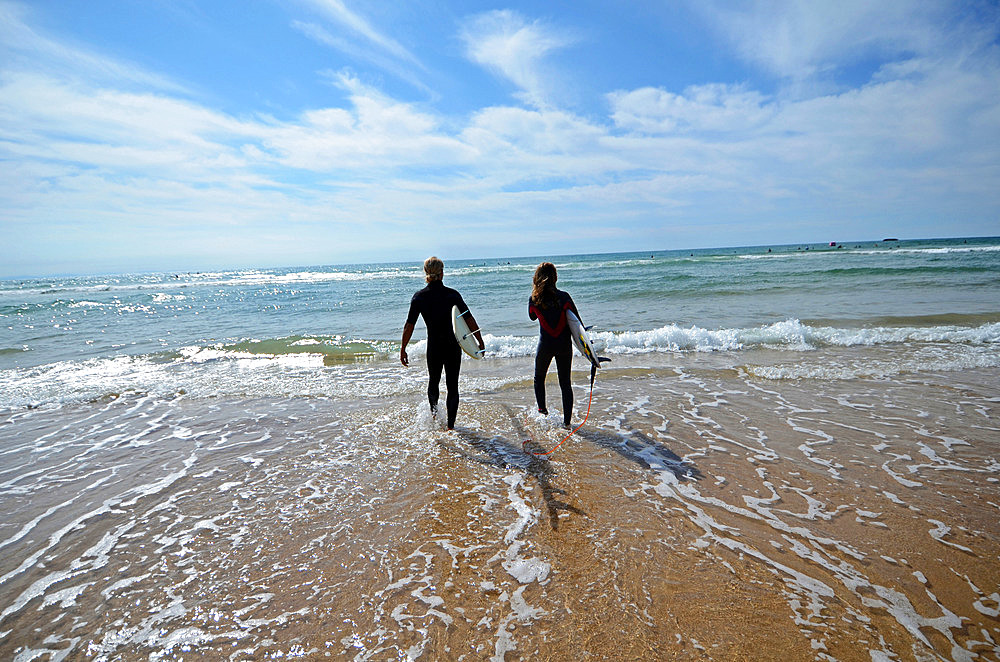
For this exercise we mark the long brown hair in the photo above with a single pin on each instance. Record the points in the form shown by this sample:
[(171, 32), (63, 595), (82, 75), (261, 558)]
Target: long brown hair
[(543, 294)]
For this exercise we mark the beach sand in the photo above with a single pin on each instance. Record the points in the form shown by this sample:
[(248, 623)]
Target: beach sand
[(700, 513)]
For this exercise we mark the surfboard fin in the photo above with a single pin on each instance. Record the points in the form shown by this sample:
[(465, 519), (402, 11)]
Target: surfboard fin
[(602, 359)]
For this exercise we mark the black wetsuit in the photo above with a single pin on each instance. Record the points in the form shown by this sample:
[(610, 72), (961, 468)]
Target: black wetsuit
[(554, 342), (434, 303)]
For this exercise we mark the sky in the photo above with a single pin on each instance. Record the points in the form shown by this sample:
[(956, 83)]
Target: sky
[(183, 135)]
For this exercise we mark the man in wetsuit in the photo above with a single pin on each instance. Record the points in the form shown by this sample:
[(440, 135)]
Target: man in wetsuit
[(434, 304)]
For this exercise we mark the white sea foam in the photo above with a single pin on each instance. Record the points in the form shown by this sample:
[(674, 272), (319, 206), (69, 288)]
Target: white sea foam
[(788, 334), (808, 595), (306, 277), (200, 372), (940, 250), (509, 346), (846, 250), (936, 360), (217, 369), (214, 371), (165, 298), (248, 360)]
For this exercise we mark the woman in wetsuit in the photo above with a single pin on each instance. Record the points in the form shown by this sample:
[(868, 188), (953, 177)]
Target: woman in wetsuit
[(549, 305)]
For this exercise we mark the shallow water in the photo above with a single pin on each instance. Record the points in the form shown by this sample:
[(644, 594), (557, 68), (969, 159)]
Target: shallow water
[(794, 454), (708, 512)]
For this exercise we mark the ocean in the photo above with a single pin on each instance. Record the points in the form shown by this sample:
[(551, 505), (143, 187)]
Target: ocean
[(793, 454)]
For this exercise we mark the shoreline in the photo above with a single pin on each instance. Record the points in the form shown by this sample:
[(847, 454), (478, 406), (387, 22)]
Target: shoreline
[(214, 373)]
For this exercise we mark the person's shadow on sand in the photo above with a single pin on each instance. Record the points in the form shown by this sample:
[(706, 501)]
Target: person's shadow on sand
[(639, 448), (498, 452)]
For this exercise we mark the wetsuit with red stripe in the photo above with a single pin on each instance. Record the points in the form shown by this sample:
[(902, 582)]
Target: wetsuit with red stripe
[(554, 342)]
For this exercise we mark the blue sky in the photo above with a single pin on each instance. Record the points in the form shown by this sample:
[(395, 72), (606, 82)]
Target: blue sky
[(184, 135)]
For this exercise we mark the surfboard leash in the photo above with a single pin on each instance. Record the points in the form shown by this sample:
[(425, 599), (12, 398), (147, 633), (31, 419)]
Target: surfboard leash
[(593, 375)]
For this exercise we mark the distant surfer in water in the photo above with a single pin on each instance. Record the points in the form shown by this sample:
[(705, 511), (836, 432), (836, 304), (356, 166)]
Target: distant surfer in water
[(434, 304), (548, 305)]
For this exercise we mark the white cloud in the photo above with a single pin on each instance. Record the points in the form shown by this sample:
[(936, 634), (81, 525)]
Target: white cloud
[(378, 58), (338, 12), (356, 38), (798, 39), (108, 157), (508, 45), (886, 138), (24, 49), (94, 126), (701, 108), (376, 133)]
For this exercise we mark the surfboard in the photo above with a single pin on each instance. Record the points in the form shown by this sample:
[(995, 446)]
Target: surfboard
[(580, 339), (466, 339)]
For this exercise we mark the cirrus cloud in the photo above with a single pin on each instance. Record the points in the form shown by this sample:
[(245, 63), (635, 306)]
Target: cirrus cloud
[(514, 48)]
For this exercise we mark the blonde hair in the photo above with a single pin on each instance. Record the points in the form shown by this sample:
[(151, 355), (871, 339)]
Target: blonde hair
[(543, 292), (434, 269)]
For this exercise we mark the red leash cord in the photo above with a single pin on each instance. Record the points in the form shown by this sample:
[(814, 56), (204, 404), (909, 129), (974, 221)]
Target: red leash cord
[(570, 434)]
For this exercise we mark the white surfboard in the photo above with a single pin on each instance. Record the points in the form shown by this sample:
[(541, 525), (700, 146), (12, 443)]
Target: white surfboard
[(580, 339), (466, 339)]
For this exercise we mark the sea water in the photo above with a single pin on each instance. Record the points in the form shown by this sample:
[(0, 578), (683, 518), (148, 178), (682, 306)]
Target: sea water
[(334, 330), (793, 446)]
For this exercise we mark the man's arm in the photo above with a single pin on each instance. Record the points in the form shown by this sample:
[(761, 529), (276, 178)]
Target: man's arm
[(474, 328), (407, 333)]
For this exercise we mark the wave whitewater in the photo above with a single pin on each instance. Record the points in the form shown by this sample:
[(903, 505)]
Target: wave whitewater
[(334, 366)]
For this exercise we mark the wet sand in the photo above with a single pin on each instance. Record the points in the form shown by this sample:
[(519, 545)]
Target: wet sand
[(699, 514)]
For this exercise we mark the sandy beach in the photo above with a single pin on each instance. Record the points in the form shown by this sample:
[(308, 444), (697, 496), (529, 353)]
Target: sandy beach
[(700, 513)]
